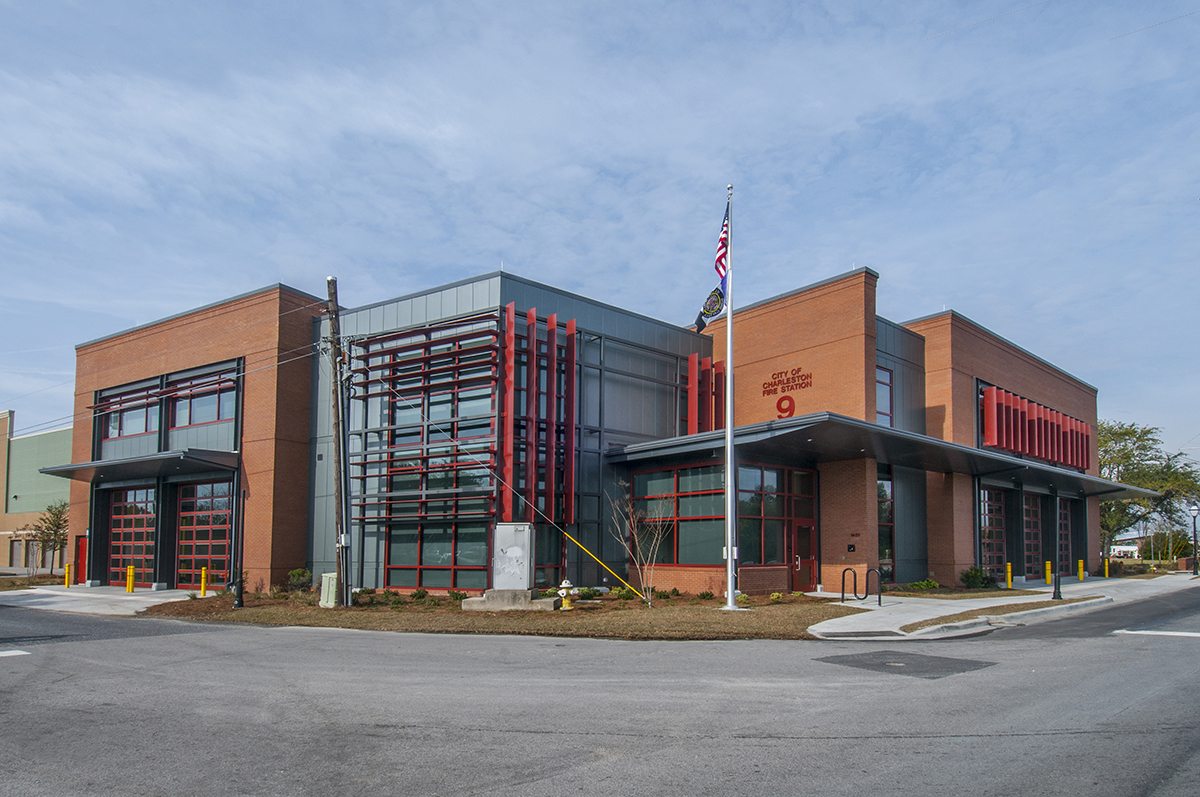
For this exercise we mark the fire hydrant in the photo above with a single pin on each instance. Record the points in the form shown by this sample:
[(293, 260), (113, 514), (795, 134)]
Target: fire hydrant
[(567, 591)]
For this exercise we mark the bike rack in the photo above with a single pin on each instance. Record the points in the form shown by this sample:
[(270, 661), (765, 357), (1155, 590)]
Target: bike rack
[(854, 584)]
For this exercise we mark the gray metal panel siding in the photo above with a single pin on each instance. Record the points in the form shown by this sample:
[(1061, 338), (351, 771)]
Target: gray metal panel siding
[(213, 436), (605, 320), (903, 352), (121, 447), (912, 554)]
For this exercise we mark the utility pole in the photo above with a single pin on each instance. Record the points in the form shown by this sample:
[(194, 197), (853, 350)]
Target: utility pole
[(335, 368)]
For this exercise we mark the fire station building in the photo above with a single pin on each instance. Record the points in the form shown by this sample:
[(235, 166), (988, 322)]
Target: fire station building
[(921, 448)]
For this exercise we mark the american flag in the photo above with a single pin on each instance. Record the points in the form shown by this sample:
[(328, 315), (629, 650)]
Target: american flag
[(722, 263)]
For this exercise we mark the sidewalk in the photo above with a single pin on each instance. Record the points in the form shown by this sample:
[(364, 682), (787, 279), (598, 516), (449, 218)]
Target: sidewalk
[(884, 623), (89, 600)]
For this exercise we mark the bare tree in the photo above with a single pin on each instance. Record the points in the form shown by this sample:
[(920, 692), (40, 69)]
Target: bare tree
[(641, 528)]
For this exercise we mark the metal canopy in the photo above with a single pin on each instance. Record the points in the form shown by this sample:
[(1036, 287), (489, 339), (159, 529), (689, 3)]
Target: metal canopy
[(828, 437), (150, 466)]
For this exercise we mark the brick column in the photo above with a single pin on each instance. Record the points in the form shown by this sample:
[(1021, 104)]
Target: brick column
[(849, 516), (950, 518)]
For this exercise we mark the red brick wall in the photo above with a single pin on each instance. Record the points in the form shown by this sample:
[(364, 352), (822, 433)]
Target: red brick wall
[(827, 330), (849, 516), (692, 580), (950, 519), (959, 351), (265, 328)]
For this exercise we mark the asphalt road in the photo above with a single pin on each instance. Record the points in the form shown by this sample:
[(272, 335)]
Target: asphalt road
[(144, 707)]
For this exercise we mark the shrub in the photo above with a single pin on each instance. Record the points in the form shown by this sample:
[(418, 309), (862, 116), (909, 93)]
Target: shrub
[(776, 597), (923, 584), (976, 578), (588, 593), (300, 578), (397, 599), (191, 596), (625, 593), (420, 594), (705, 596), (662, 595), (455, 595), (550, 592), (742, 599), (675, 593)]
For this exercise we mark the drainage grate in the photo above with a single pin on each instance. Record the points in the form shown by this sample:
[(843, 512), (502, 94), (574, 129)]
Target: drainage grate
[(912, 664)]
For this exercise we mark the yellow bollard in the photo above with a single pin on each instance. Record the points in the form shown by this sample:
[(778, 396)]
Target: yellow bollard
[(1081, 570), (1106, 568), (1049, 576), (203, 581), (129, 579), (67, 575), (1008, 574)]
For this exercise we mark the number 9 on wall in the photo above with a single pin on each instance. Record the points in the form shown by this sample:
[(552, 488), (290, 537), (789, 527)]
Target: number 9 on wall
[(786, 406)]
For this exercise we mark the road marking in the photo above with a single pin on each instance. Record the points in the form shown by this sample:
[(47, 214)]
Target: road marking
[(1161, 633), (4, 653)]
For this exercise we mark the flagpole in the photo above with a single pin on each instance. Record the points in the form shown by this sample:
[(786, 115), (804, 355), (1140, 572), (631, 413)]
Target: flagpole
[(730, 472)]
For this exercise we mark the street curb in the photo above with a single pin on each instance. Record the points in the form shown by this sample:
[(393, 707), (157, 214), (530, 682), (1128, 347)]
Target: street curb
[(977, 626)]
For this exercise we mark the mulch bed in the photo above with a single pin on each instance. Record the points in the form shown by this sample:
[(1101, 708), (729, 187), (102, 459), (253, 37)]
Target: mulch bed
[(681, 617)]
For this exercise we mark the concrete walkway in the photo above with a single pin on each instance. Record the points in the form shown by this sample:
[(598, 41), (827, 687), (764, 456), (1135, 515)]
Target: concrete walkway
[(884, 623), (90, 600)]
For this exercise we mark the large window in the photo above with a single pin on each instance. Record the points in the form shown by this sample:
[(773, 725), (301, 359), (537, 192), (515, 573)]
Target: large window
[(205, 399), (129, 414), (690, 501), (884, 413), (886, 491), (423, 461)]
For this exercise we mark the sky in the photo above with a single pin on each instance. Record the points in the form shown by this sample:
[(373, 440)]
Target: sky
[(1032, 165)]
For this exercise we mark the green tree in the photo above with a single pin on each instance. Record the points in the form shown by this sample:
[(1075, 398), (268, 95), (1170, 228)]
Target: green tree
[(1133, 454), (50, 529)]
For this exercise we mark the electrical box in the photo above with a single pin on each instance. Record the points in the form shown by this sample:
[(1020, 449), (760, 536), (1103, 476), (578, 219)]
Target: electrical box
[(512, 556), (328, 590)]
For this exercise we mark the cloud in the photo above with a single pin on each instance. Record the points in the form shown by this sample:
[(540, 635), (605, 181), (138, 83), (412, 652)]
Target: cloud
[(1016, 162)]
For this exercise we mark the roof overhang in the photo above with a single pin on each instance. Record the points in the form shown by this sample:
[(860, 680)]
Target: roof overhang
[(184, 462), (827, 437)]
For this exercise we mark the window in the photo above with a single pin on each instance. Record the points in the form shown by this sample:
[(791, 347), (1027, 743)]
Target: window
[(206, 399), (128, 414), (424, 478), (885, 490), (692, 501), (883, 397)]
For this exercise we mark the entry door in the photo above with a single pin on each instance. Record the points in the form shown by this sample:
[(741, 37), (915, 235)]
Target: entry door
[(80, 559), (804, 557)]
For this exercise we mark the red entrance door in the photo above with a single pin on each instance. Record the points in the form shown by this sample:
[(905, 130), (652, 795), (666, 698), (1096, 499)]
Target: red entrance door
[(804, 557), (80, 560)]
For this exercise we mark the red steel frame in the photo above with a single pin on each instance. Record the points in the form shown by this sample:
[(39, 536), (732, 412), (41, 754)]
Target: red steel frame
[(131, 542), (442, 360), (508, 412), (570, 430), (551, 413), (204, 540), (1020, 426), (1031, 541), (531, 413)]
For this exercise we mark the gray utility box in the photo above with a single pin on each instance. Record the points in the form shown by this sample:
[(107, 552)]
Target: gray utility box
[(512, 556), (328, 590)]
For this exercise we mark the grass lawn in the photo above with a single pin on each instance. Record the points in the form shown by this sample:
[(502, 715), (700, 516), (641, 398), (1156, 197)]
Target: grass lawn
[(1008, 608), (24, 582), (682, 617)]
